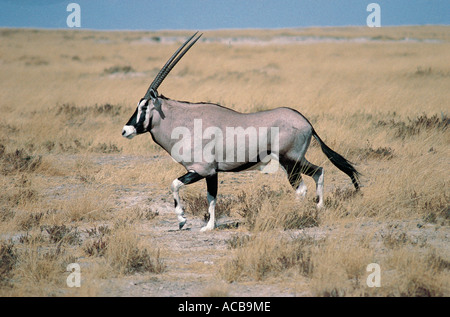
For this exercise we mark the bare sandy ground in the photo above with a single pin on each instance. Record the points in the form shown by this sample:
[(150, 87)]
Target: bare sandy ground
[(193, 258)]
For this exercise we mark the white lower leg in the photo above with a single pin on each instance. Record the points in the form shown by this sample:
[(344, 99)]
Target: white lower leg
[(176, 184), (211, 210), (301, 189), (318, 178)]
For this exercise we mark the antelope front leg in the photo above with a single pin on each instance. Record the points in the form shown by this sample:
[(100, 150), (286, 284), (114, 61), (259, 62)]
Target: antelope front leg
[(211, 183), (179, 210), (186, 179)]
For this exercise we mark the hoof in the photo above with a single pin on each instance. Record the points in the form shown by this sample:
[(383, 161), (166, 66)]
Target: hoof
[(207, 228), (181, 224)]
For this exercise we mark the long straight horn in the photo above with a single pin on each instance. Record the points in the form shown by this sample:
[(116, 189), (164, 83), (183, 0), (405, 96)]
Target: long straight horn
[(168, 66)]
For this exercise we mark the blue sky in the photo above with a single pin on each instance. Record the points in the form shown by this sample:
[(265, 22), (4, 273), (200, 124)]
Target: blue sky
[(216, 14)]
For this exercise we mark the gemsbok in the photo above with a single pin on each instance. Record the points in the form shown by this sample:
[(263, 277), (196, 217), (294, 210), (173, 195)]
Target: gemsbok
[(208, 138)]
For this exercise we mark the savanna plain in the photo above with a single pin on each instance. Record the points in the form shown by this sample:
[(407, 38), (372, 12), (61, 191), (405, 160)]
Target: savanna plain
[(73, 190)]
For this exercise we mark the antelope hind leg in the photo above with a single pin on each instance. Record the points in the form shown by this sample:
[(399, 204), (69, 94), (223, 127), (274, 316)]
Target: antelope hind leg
[(211, 183)]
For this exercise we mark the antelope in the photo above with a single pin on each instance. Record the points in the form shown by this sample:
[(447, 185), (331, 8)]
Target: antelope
[(286, 143)]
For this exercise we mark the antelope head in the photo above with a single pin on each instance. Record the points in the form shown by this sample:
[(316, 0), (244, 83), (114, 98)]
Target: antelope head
[(140, 121)]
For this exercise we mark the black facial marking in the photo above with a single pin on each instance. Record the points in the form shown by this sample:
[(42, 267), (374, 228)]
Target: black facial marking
[(175, 203), (140, 121), (132, 121)]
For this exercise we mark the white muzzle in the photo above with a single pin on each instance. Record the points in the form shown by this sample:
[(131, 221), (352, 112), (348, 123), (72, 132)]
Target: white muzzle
[(128, 131)]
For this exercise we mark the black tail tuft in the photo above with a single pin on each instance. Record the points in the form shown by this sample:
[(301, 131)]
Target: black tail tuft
[(339, 161)]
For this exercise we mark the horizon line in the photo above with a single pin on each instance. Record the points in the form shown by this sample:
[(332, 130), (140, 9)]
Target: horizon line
[(218, 29)]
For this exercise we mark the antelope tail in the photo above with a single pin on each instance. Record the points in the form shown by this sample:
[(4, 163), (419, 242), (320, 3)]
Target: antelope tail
[(339, 161)]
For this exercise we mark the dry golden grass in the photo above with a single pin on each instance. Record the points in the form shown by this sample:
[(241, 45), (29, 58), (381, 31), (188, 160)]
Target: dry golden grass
[(65, 169)]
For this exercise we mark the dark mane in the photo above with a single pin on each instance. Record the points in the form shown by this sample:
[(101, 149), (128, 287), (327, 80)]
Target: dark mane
[(197, 103)]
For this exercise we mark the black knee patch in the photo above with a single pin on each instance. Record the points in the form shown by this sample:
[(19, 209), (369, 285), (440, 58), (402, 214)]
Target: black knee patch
[(190, 178)]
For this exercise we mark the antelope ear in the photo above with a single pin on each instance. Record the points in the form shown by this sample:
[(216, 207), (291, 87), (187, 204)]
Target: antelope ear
[(157, 104)]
